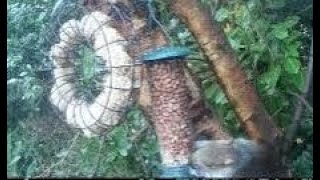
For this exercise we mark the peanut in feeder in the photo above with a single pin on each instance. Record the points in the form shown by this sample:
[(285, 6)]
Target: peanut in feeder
[(170, 108)]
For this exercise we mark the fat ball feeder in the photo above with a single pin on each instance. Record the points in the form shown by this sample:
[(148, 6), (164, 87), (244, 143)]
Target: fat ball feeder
[(108, 107)]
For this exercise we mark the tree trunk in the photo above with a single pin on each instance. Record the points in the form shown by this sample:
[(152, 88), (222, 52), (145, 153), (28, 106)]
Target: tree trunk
[(238, 89)]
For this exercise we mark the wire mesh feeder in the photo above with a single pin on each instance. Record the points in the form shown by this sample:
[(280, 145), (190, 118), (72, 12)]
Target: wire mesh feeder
[(108, 107), (96, 61)]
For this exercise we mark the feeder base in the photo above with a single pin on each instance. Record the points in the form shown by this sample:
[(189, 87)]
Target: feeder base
[(176, 172)]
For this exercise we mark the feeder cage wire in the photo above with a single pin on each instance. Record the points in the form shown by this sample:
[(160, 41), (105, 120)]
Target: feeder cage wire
[(96, 67)]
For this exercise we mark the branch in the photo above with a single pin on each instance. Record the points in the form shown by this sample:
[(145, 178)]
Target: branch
[(303, 100), (292, 130)]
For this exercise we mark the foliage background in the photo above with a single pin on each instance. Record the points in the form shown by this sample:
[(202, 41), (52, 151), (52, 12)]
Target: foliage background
[(271, 38)]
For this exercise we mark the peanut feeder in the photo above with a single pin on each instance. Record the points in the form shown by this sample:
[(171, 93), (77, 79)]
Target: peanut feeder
[(170, 113)]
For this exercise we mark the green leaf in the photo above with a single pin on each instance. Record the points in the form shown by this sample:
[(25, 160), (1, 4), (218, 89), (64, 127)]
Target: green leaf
[(280, 31), (14, 160), (220, 98), (271, 78), (276, 4), (253, 4), (292, 65), (123, 152), (124, 147), (184, 35), (210, 92), (292, 21), (292, 50), (33, 167), (62, 154), (258, 47), (298, 79), (236, 44), (111, 156), (222, 14), (262, 26), (12, 81), (23, 74), (29, 67), (41, 16)]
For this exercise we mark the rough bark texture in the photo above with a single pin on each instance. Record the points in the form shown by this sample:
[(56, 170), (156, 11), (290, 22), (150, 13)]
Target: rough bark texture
[(239, 90), (170, 111)]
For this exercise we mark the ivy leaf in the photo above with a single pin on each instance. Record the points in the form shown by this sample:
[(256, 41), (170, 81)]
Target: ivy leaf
[(14, 160), (298, 79), (271, 78), (292, 65), (41, 16), (123, 146), (292, 21), (123, 152), (184, 35), (134, 114), (280, 31), (210, 92), (253, 4), (292, 51), (222, 14), (262, 26), (29, 67), (258, 47), (12, 81), (220, 98), (62, 154), (111, 156), (276, 4), (236, 44), (23, 74), (33, 167)]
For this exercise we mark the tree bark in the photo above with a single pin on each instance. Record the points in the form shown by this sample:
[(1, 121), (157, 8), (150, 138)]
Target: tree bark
[(238, 89)]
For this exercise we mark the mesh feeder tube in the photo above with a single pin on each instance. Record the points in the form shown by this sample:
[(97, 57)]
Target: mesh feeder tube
[(170, 111)]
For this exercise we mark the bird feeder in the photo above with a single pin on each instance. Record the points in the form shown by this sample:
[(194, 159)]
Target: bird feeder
[(109, 106), (170, 102)]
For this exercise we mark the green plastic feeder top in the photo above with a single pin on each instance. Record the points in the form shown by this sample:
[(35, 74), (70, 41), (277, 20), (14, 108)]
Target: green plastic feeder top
[(166, 53)]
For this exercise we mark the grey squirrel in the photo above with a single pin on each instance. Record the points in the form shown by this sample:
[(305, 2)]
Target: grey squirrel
[(234, 158)]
